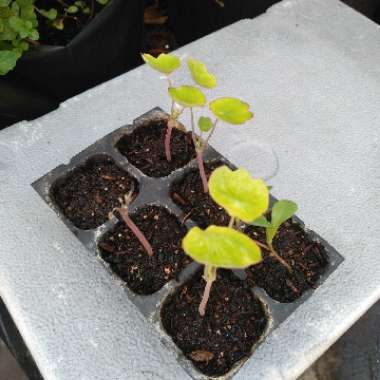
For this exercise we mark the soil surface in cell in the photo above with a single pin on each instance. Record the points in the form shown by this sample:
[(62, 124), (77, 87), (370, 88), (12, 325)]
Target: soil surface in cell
[(73, 23), (234, 321), (91, 191), (145, 149), (308, 260), (196, 205), (146, 274)]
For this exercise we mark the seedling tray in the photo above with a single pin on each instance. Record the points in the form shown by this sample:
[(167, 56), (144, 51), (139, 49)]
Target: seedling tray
[(153, 191)]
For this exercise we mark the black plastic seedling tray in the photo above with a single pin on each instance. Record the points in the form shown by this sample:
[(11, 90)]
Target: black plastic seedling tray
[(155, 191)]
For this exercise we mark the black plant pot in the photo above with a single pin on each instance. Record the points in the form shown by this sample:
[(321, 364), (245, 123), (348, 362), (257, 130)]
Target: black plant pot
[(192, 19), (105, 48)]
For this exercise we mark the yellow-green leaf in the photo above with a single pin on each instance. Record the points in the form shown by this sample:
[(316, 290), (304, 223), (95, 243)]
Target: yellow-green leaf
[(164, 63), (221, 247), (205, 124), (231, 110), (200, 74), (281, 211), (238, 193), (187, 96)]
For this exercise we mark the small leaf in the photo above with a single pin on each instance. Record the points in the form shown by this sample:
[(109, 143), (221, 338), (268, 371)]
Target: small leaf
[(187, 96), (261, 221), (200, 74), (72, 9), (8, 59), (221, 247), (205, 124), (164, 63), (281, 211), (231, 110), (102, 2), (51, 14), (238, 193), (58, 24)]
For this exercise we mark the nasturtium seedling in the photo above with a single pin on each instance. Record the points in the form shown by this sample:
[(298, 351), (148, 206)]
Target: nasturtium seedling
[(231, 110), (219, 247), (242, 196), (227, 109), (200, 74), (164, 63), (281, 211), (187, 96)]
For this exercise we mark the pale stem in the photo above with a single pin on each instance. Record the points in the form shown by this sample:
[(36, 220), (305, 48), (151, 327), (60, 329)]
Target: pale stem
[(274, 254), (199, 148), (168, 137), (279, 258), (211, 133), (123, 211), (136, 231), (202, 171), (232, 222), (210, 277)]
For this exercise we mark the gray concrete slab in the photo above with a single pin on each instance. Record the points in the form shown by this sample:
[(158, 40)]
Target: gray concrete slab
[(310, 69)]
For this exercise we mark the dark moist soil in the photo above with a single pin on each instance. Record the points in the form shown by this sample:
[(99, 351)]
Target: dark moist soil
[(72, 25), (196, 205), (235, 320), (91, 191), (308, 260), (128, 259), (144, 148)]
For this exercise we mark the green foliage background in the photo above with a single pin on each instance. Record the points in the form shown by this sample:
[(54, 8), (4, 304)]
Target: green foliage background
[(18, 24)]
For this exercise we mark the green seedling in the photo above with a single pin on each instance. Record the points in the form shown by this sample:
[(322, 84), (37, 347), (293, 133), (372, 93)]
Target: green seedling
[(166, 64), (226, 109), (219, 247), (281, 211)]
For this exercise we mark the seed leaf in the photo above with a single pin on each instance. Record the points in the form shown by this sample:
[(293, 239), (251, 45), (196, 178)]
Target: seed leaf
[(241, 195), (205, 124), (164, 63), (187, 96), (51, 14), (200, 74), (261, 221), (221, 247), (231, 110), (281, 211)]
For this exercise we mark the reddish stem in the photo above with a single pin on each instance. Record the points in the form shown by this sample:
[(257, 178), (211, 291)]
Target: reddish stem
[(206, 296), (168, 138), (202, 171), (136, 231)]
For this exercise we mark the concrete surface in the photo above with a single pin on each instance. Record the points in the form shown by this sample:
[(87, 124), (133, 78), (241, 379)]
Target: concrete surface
[(310, 69)]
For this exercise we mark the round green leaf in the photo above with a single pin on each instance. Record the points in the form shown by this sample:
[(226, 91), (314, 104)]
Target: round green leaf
[(164, 63), (8, 59), (72, 9), (187, 96), (50, 14), (200, 74), (221, 247), (231, 110), (205, 124), (238, 193)]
